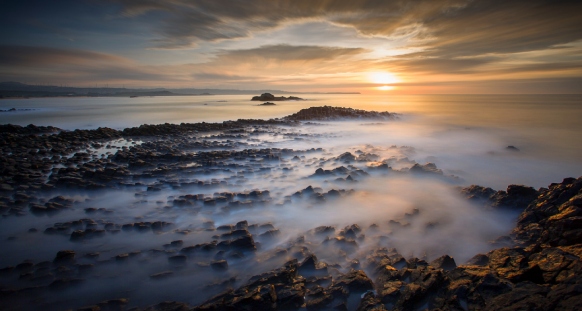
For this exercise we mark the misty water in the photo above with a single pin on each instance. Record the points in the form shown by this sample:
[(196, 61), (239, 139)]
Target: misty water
[(463, 133), (421, 215)]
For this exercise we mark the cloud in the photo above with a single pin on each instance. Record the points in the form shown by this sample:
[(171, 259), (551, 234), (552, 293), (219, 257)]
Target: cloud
[(27, 56), (440, 65), (221, 77), (69, 65), (281, 61), (456, 27), (286, 52)]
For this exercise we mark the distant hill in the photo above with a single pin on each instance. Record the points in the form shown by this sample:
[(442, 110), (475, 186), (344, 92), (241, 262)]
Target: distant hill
[(8, 93), (154, 93)]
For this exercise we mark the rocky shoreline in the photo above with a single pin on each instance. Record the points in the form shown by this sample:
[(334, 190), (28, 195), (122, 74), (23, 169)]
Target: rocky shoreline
[(163, 173)]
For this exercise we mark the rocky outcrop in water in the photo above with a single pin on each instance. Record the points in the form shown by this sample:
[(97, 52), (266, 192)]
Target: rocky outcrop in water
[(270, 97), (327, 113)]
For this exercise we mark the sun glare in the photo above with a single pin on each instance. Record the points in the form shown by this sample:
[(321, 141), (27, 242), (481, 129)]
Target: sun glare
[(383, 78), (386, 88)]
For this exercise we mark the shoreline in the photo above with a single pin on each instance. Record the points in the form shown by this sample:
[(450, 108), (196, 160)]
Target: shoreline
[(218, 175)]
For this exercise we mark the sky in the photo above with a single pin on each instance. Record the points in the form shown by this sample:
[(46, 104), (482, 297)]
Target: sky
[(367, 46)]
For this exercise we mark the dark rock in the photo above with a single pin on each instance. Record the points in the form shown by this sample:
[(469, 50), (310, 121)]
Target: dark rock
[(269, 96), (244, 243), (220, 265), (445, 262), (162, 275), (327, 113), (355, 281), (64, 257)]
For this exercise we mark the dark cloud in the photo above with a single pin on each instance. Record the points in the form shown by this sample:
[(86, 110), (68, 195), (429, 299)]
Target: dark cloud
[(24, 62), (458, 27), (27, 56)]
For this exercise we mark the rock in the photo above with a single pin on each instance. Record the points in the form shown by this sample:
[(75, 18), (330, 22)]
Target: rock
[(220, 265), (479, 260), (244, 243), (162, 275), (269, 96), (355, 281), (445, 262), (327, 113), (310, 267), (64, 257), (269, 235), (516, 197), (369, 302)]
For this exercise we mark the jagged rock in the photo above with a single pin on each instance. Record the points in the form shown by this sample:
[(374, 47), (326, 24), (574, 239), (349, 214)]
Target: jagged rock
[(444, 262), (516, 197)]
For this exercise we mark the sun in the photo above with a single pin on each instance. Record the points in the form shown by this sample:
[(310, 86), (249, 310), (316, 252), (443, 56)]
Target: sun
[(385, 88), (383, 78)]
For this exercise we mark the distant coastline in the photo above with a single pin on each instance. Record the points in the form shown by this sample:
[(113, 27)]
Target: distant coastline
[(13, 90)]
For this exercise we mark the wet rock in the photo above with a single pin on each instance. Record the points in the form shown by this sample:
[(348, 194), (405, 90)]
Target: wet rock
[(516, 197), (350, 231), (479, 260), (242, 224), (323, 230), (220, 265), (162, 275), (445, 262), (245, 243), (354, 281), (269, 235), (64, 257), (369, 302), (310, 267)]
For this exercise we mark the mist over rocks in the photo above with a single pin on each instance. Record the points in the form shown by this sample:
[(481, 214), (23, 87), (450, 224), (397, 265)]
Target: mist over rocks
[(266, 214)]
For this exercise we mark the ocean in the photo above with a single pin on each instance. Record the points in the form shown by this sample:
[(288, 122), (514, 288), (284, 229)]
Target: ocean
[(166, 207), (464, 134)]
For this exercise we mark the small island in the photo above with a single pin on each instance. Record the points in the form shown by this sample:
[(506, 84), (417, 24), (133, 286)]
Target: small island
[(270, 97), (267, 104)]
